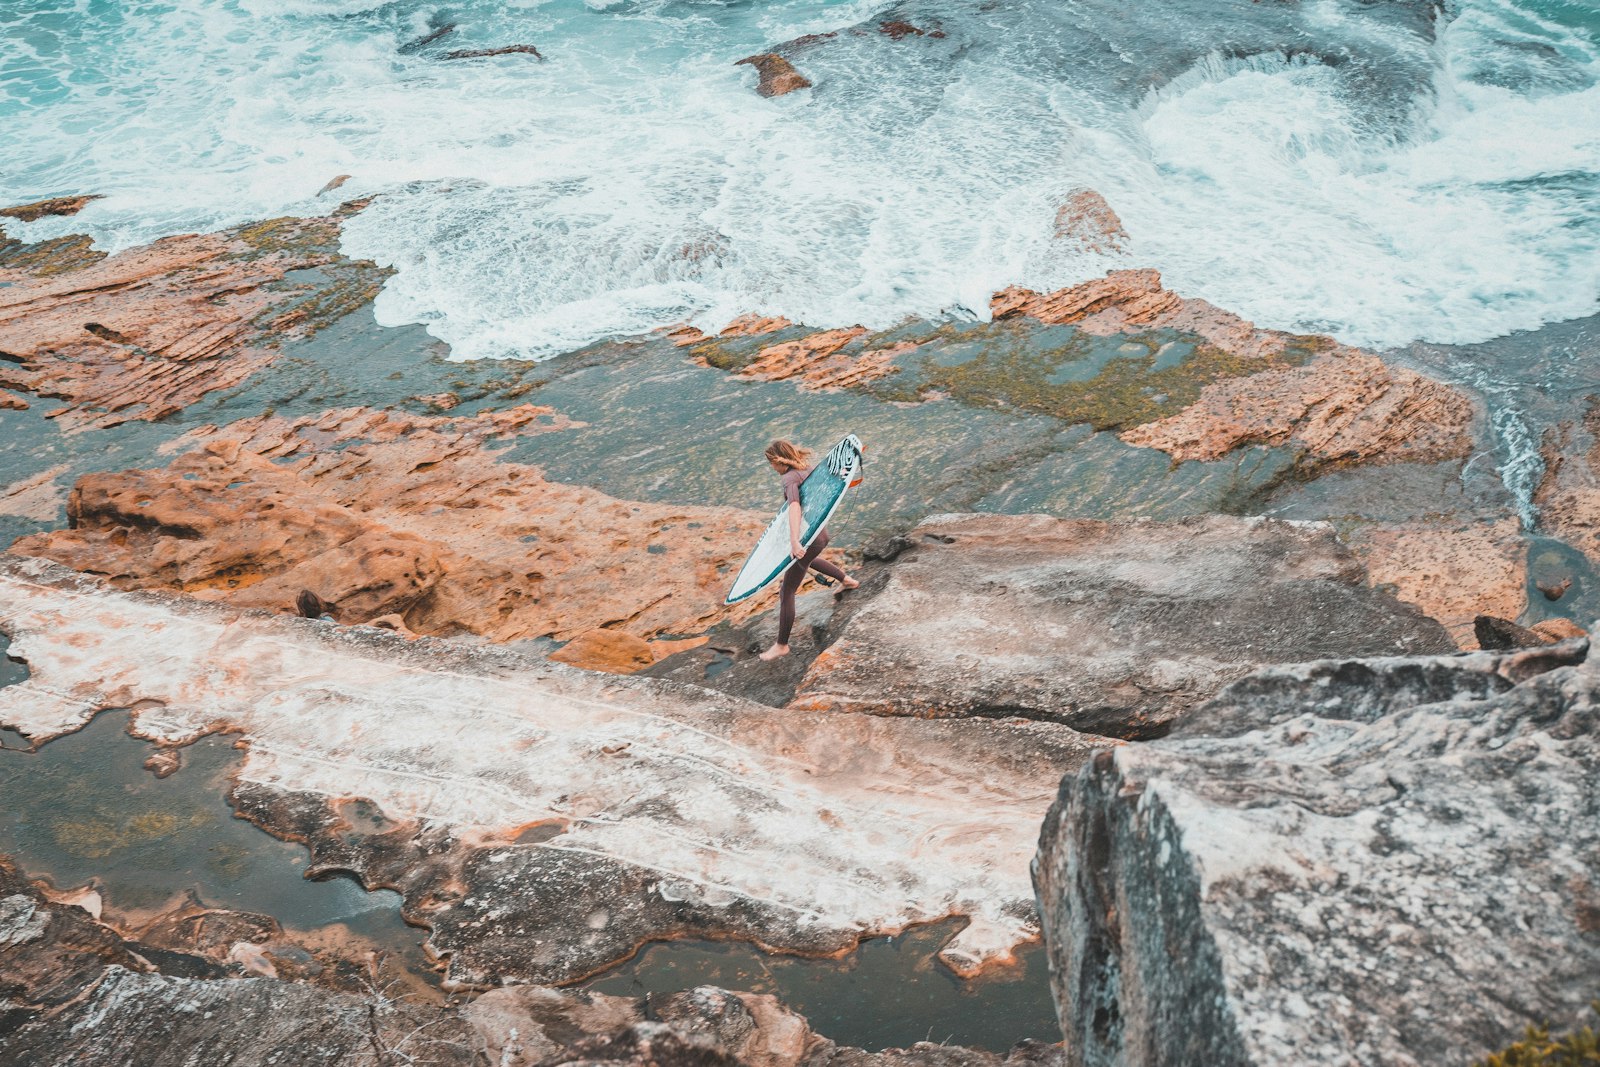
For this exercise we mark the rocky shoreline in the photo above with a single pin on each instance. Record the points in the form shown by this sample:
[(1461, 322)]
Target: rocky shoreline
[(1111, 514)]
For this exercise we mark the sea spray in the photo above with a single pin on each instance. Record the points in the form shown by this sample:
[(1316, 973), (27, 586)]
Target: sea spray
[(1367, 171)]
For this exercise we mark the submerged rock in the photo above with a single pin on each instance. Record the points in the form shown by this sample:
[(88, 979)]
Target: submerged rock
[(1087, 222), (55, 206), (504, 50), (1114, 629), (777, 75), (1387, 861), (104, 1003)]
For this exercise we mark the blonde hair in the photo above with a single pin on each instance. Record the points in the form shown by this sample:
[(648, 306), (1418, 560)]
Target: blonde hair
[(789, 456)]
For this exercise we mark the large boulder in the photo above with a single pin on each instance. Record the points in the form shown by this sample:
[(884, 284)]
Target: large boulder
[(1111, 628), (1362, 862)]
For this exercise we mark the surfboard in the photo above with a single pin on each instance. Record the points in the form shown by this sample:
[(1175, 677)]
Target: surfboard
[(820, 495)]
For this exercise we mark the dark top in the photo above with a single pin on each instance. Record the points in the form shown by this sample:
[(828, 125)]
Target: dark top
[(791, 485)]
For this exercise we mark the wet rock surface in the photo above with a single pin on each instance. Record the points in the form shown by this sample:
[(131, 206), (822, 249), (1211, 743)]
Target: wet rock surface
[(778, 76), (275, 439), (1303, 872), (74, 991), (150, 331), (1086, 221), (1112, 629), (564, 817)]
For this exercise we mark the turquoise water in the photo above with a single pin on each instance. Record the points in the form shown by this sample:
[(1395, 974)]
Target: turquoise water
[(1376, 170)]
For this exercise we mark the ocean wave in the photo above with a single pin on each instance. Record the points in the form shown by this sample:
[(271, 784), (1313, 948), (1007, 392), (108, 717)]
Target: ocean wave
[(1382, 176)]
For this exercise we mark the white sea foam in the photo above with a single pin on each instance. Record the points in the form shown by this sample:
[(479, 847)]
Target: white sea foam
[(1384, 187)]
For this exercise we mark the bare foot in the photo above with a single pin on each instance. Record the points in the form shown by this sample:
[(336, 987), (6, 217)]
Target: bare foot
[(775, 652), (851, 583)]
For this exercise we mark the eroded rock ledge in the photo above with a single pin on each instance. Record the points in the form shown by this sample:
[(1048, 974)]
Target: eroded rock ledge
[(543, 821), (1383, 861), (147, 332), (392, 513)]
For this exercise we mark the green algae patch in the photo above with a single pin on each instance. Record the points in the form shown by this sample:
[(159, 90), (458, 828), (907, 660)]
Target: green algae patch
[(59, 255), (104, 830), (1108, 383), (1581, 1048), (313, 238), (734, 354), (345, 286)]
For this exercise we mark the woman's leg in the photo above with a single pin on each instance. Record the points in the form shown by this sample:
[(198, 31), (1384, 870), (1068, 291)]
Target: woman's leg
[(822, 566), (791, 585)]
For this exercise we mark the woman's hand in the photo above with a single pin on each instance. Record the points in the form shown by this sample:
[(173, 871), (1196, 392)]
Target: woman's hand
[(796, 549)]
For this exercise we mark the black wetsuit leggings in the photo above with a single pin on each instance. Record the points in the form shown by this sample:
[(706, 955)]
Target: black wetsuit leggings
[(797, 574)]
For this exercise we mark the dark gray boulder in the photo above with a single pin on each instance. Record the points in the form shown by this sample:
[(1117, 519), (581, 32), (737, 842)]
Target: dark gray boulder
[(1380, 862)]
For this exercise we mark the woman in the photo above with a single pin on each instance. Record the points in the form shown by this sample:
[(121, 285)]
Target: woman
[(794, 464)]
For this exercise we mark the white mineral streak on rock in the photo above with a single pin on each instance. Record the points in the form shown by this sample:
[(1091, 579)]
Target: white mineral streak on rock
[(845, 822), (20, 921), (1384, 861)]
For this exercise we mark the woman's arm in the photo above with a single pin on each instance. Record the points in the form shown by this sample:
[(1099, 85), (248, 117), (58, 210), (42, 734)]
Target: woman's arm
[(796, 549)]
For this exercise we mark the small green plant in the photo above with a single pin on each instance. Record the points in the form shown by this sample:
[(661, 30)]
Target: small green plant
[(1581, 1048)]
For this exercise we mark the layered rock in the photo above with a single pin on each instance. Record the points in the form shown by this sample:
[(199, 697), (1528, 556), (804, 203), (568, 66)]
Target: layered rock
[(818, 360), (1344, 404), (1386, 861), (1345, 407), (1114, 629), (55, 206), (544, 822), (149, 331), (388, 513)]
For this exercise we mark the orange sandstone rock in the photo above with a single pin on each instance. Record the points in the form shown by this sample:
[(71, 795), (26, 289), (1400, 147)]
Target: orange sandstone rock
[(1349, 406), (817, 362), (610, 651), (1085, 220), (1345, 404), (1568, 496), (410, 515), (753, 325), (1558, 629), (1131, 300), (1452, 574), (748, 325), (147, 332), (777, 74)]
